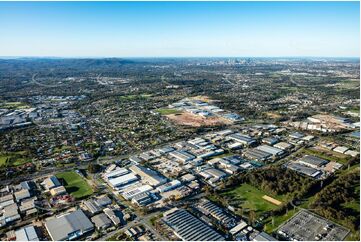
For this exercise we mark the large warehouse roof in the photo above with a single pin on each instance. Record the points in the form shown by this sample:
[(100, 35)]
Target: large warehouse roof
[(68, 226), (189, 228)]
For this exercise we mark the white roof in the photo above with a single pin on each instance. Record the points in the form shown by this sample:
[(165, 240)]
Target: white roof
[(238, 227), (26, 234), (120, 180)]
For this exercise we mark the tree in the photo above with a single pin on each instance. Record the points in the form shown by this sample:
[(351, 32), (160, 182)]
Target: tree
[(252, 217), (93, 168)]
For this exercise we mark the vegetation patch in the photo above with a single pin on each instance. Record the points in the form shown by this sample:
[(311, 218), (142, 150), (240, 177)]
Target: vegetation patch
[(249, 198), (74, 184), (13, 159), (167, 111)]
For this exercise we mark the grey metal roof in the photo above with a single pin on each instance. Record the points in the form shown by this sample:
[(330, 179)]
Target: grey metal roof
[(187, 227), (313, 160), (60, 228)]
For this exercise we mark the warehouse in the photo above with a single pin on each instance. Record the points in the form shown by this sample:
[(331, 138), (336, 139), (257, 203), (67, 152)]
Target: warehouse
[(312, 161), (210, 209), (27, 233), (51, 182), (283, 146), (243, 139), (68, 226), (182, 155), (189, 228), (309, 171), (272, 150), (132, 192), (116, 173), (122, 180), (148, 176), (169, 186), (101, 221), (270, 140), (257, 155)]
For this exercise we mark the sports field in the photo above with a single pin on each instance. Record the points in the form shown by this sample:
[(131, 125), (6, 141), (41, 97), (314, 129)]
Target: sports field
[(250, 198), (74, 184)]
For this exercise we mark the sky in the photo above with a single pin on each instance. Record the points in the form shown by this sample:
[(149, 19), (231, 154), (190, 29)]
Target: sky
[(180, 29)]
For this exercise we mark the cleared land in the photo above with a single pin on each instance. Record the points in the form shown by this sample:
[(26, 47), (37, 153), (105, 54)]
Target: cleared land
[(193, 120), (272, 200), (74, 184), (249, 198)]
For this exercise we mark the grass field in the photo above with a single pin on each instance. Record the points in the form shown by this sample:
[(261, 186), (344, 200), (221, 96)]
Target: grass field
[(166, 111), (74, 184), (250, 198), (329, 155), (14, 160), (14, 105), (135, 97)]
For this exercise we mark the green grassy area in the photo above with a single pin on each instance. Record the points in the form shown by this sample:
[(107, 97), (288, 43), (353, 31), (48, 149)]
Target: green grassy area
[(135, 97), (250, 198), (74, 184), (328, 155), (14, 105), (166, 111), (13, 159)]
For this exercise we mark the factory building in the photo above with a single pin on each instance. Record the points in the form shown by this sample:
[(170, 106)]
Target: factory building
[(148, 176), (120, 181), (189, 228), (132, 192), (309, 171), (243, 139), (258, 155), (182, 155), (69, 226), (272, 150), (169, 186), (312, 161)]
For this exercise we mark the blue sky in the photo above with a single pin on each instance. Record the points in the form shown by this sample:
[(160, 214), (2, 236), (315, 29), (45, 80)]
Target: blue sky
[(161, 29)]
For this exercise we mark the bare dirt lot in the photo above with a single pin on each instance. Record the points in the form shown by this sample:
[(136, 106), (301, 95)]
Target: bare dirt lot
[(193, 120)]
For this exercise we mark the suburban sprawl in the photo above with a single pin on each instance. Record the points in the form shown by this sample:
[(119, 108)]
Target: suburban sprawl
[(170, 149)]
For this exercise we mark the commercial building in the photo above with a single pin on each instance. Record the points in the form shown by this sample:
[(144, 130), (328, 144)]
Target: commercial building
[(258, 155), (189, 228), (283, 146), (312, 161), (27, 233), (101, 221), (264, 237), (182, 155), (132, 192), (120, 181), (115, 173), (50, 182), (169, 186), (56, 191), (68, 226), (309, 171), (114, 215), (243, 139), (210, 209), (148, 176), (142, 199)]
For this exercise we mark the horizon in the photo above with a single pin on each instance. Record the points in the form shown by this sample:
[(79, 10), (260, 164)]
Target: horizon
[(180, 29)]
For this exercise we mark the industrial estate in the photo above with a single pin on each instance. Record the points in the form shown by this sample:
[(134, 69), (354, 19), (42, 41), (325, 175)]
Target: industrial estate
[(211, 149)]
